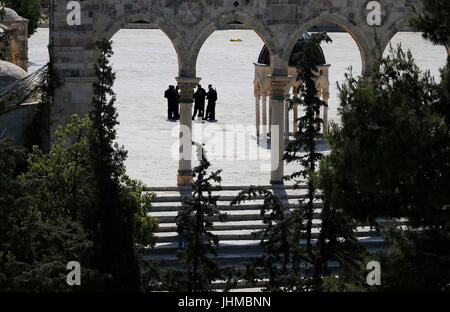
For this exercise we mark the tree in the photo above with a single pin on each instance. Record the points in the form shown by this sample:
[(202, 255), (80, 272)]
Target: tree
[(392, 150), (29, 9), (275, 263), (335, 238), (434, 21), (38, 236), (309, 126), (194, 222), (294, 258), (112, 219), (390, 160), (53, 209)]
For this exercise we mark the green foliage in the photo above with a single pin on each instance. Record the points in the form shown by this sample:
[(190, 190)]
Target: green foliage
[(417, 259), (65, 205), (434, 21), (29, 9), (198, 251), (34, 250), (275, 263), (391, 159), (293, 260), (199, 257), (303, 149), (391, 155), (112, 219)]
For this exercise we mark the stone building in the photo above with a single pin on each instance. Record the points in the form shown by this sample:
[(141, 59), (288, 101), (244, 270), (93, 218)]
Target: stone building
[(188, 24), (263, 92), (17, 109), (14, 50)]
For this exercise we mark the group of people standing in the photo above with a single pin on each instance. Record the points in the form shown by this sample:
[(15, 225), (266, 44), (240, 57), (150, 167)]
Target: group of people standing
[(200, 96)]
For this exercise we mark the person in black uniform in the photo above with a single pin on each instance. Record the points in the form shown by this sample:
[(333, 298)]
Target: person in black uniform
[(199, 98), (212, 99), (172, 102), (177, 107)]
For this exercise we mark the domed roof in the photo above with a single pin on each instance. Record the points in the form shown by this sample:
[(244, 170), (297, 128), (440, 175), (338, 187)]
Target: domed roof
[(10, 74), (8, 14), (264, 56)]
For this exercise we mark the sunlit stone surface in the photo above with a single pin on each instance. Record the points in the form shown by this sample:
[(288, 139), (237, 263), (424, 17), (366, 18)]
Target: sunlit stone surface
[(146, 63)]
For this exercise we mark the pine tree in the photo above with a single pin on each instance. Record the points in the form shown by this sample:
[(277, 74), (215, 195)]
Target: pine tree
[(433, 21), (194, 221), (390, 159), (113, 219), (275, 263), (308, 129)]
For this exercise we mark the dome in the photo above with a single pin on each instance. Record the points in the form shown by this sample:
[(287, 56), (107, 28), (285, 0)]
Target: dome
[(10, 74), (9, 15), (264, 56)]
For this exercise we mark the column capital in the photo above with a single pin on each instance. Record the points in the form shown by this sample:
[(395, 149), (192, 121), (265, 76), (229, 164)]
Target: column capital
[(279, 84), (188, 82), (187, 85)]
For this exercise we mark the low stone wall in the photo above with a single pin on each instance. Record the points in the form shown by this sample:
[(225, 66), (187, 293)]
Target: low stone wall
[(14, 123)]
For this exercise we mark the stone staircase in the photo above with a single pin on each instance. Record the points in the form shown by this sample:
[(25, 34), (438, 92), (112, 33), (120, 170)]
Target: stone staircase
[(239, 239)]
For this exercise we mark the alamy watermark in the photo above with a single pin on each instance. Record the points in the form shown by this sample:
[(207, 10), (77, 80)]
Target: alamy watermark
[(74, 276), (374, 276), (228, 143)]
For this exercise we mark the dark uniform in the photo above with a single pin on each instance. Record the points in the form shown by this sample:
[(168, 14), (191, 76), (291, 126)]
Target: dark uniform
[(199, 98), (177, 108), (212, 99), (172, 102)]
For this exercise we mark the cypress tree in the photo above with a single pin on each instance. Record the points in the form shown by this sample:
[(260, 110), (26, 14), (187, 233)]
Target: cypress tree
[(113, 219)]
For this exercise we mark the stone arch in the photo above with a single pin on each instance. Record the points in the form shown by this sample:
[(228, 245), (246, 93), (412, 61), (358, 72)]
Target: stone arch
[(391, 32), (110, 29), (207, 30), (344, 23)]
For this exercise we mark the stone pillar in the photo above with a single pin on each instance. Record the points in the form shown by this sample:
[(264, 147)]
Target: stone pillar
[(279, 84), (294, 120), (270, 114), (258, 117), (187, 85), (264, 116), (286, 118), (326, 97)]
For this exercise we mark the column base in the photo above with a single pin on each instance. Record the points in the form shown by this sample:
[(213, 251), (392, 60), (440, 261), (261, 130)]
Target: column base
[(274, 182)]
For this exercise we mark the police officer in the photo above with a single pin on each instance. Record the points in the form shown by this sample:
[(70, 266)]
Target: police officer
[(212, 99), (199, 98), (172, 102)]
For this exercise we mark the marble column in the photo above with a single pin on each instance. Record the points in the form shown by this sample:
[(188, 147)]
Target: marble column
[(187, 85), (326, 97), (286, 118), (279, 84), (257, 113), (295, 118), (270, 113), (264, 117)]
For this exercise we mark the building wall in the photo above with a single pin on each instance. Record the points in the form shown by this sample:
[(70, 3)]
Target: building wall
[(14, 123), (278, 22), (16, 50)]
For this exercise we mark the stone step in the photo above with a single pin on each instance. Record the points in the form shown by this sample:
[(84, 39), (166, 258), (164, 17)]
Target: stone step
[(235, 215), (224, 188), (245, 245), (224, 208), (165, 237), (236, 259), (171, 199), (233, 225)]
